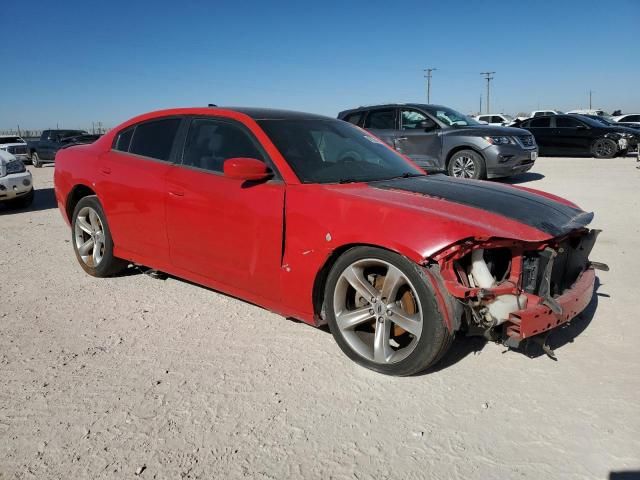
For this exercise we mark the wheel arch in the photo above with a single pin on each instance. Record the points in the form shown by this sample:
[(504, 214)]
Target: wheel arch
[(320, 280), (459, 148), (77, 193)]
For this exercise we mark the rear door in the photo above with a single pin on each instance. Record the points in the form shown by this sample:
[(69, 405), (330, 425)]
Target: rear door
[(132, 187), (421, 144), (383, 123), (224, 229)]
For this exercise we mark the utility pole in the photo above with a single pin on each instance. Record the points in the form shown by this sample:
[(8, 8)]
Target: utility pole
[(427, 75), (590, 92), (488, 77), (480, 111)]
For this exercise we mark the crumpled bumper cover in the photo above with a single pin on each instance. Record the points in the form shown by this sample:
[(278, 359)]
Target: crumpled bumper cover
[(536, 319)]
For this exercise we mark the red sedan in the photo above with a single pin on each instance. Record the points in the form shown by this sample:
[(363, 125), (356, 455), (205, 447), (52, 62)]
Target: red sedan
[(316, 219)]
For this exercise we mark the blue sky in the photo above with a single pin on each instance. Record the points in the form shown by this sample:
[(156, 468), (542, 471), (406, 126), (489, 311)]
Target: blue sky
[(70, 63)]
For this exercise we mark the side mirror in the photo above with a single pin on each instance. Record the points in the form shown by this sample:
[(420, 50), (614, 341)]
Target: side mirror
[(427, 125), (246, 169)]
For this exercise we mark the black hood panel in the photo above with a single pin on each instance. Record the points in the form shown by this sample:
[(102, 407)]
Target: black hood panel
[(537, 211)]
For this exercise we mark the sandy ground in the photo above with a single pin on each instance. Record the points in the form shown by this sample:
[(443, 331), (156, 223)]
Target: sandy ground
[(133, 376)]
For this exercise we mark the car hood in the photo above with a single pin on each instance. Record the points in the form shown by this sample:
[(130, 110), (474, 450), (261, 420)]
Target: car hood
[(17, 144), (622, 129), (431, 212), (492, 130), (6, 157)]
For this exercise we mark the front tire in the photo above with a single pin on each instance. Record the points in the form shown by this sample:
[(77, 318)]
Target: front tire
[(92, 241), (35, 160), (383, 314), (467, 164), (604, 148)]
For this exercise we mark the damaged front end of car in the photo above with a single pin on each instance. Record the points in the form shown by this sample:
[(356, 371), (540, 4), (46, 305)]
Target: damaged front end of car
[(511, 291)]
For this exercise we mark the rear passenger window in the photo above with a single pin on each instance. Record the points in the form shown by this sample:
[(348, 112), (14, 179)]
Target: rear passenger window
[(211, 142), (564, 122), (540, 122), (355, 118), (123, 140), (381, 119), (497, 119), (155, 139)]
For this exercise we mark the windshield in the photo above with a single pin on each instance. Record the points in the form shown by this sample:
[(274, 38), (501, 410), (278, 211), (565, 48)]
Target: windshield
[(591, 122), (450, 117), (332, 151), (5, 140)]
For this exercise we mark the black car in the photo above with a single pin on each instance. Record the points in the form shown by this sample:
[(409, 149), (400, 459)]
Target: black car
[(44, 150), (580, 135), (438, 138), (79, 140)]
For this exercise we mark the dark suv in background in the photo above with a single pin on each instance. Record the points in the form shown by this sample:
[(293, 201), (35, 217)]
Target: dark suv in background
[(438, 138)]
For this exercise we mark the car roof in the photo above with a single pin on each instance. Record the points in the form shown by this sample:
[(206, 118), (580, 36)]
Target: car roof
[(275, 114), (390, 105)]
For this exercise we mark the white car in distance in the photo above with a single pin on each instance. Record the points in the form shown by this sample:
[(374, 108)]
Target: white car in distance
[(628, 118), (495, 119), (16, 184)]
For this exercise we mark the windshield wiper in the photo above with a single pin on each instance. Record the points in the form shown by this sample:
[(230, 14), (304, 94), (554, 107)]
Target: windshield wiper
[(407, 175)]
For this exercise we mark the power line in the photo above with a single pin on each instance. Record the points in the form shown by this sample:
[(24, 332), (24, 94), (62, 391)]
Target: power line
[(428, 77), (488, 77)]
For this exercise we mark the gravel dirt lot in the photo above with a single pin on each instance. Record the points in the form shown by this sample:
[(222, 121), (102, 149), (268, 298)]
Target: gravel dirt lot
[(133, 377)]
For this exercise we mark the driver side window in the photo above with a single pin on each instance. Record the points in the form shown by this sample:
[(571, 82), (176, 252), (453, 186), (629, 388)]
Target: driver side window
[(411, 120), (210, 142)]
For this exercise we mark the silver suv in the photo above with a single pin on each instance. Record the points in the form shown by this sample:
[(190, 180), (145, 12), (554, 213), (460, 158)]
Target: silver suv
[(440, 139)]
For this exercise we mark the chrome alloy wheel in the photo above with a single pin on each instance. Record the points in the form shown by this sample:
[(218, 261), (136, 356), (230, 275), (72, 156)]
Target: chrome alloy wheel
[(464, 167), (377, 311), (89, 237)]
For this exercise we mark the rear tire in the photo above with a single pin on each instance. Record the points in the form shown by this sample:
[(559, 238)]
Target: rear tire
[(604, 148), (92, 241), (35, 160), (467, 164), (400, 338)]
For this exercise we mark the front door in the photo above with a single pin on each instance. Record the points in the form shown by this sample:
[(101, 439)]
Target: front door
[(572, 135), (224, 229), (419, 139)]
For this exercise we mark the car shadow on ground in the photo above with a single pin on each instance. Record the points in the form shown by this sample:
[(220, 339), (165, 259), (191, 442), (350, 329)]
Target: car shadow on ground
[(44, 199), (521, 178), (557, 338)]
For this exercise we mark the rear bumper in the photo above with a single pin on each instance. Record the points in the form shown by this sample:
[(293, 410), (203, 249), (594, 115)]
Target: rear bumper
[(539, 318)]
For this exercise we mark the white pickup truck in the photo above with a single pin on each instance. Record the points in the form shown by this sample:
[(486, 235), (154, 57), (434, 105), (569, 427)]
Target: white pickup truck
[(16, 184), (16, 146)]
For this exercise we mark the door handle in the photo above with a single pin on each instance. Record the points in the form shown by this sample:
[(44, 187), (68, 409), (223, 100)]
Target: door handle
[(402, 138), (106, 170), (176, 193)]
